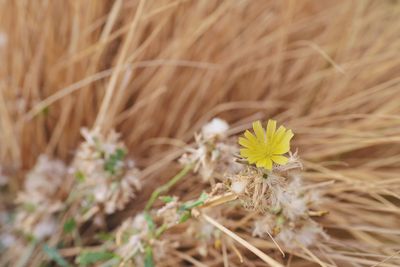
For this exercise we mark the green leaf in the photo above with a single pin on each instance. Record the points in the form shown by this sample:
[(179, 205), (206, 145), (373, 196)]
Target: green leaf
[(276, 210), (166, 199), (280, 220), (148, 260), (29, 207), (161, 230), (88, 258), (111, 263), (45, 111), (111, 163), (150, 222), (119, 154), (104, 236), (80, 176), (53, 255), (203, 197), (69, 226), (185, 216), (192, 204)]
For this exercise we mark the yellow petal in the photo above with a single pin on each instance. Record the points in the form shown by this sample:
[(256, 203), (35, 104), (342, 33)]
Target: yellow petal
[(284, 145), (251, 160), (250, 136), (258, 154), (271, 127), (280, 159), (265, 147), (259, 131), (288, 136), (281, 149), (260, 164), (267, 164), (245, 142), (246, 152), (255, 158)]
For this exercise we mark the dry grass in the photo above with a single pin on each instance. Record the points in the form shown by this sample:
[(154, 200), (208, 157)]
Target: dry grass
[(156, 71)]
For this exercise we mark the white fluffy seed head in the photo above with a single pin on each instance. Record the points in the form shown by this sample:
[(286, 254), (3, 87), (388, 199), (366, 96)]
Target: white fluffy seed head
[(216, 127), (238, 186)]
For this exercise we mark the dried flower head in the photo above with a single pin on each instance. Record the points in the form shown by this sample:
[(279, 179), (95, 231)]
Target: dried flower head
[(131, 236), (303, 233), (107, 178), (213, 153), (264, 148), (41, 198), (169, 212), (43, 181), (285, 203), (215, 128), (135, 237)]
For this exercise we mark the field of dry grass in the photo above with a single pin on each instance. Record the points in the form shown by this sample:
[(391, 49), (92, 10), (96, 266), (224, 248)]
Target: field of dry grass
[(156, 72)]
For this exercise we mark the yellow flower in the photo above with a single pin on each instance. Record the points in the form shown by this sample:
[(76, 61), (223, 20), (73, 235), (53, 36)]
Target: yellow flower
[(263, 148)]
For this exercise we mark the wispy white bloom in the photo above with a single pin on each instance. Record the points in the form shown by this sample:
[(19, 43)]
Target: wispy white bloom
[(309, 234), (139, 222), (43, 181), (130, 248), (238, 186), (213, 152), (306, 235), (293, 163), (101, 193), (107, 175), (132, 236), (215, 128), (169, 213), (196, 156), (134, 250), (263, 226), (40, 199), (280, 196), (291, 199)]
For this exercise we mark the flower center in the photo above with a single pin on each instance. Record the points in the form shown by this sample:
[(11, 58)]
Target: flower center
[(267, 151)]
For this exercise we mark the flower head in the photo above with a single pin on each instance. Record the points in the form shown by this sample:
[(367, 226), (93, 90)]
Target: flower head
[(264, 148), (214, 128)]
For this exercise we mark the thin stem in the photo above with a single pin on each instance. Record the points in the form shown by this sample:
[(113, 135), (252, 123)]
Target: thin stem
[(165, 188), (243, 242), (309, 253), (219, 200)]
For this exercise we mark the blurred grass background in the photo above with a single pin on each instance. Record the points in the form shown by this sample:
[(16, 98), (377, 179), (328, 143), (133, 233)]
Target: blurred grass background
[(157, 70), (168, 66)]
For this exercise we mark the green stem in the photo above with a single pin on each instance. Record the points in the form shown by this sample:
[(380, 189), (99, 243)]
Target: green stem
[(165, 188), (161, 230)]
